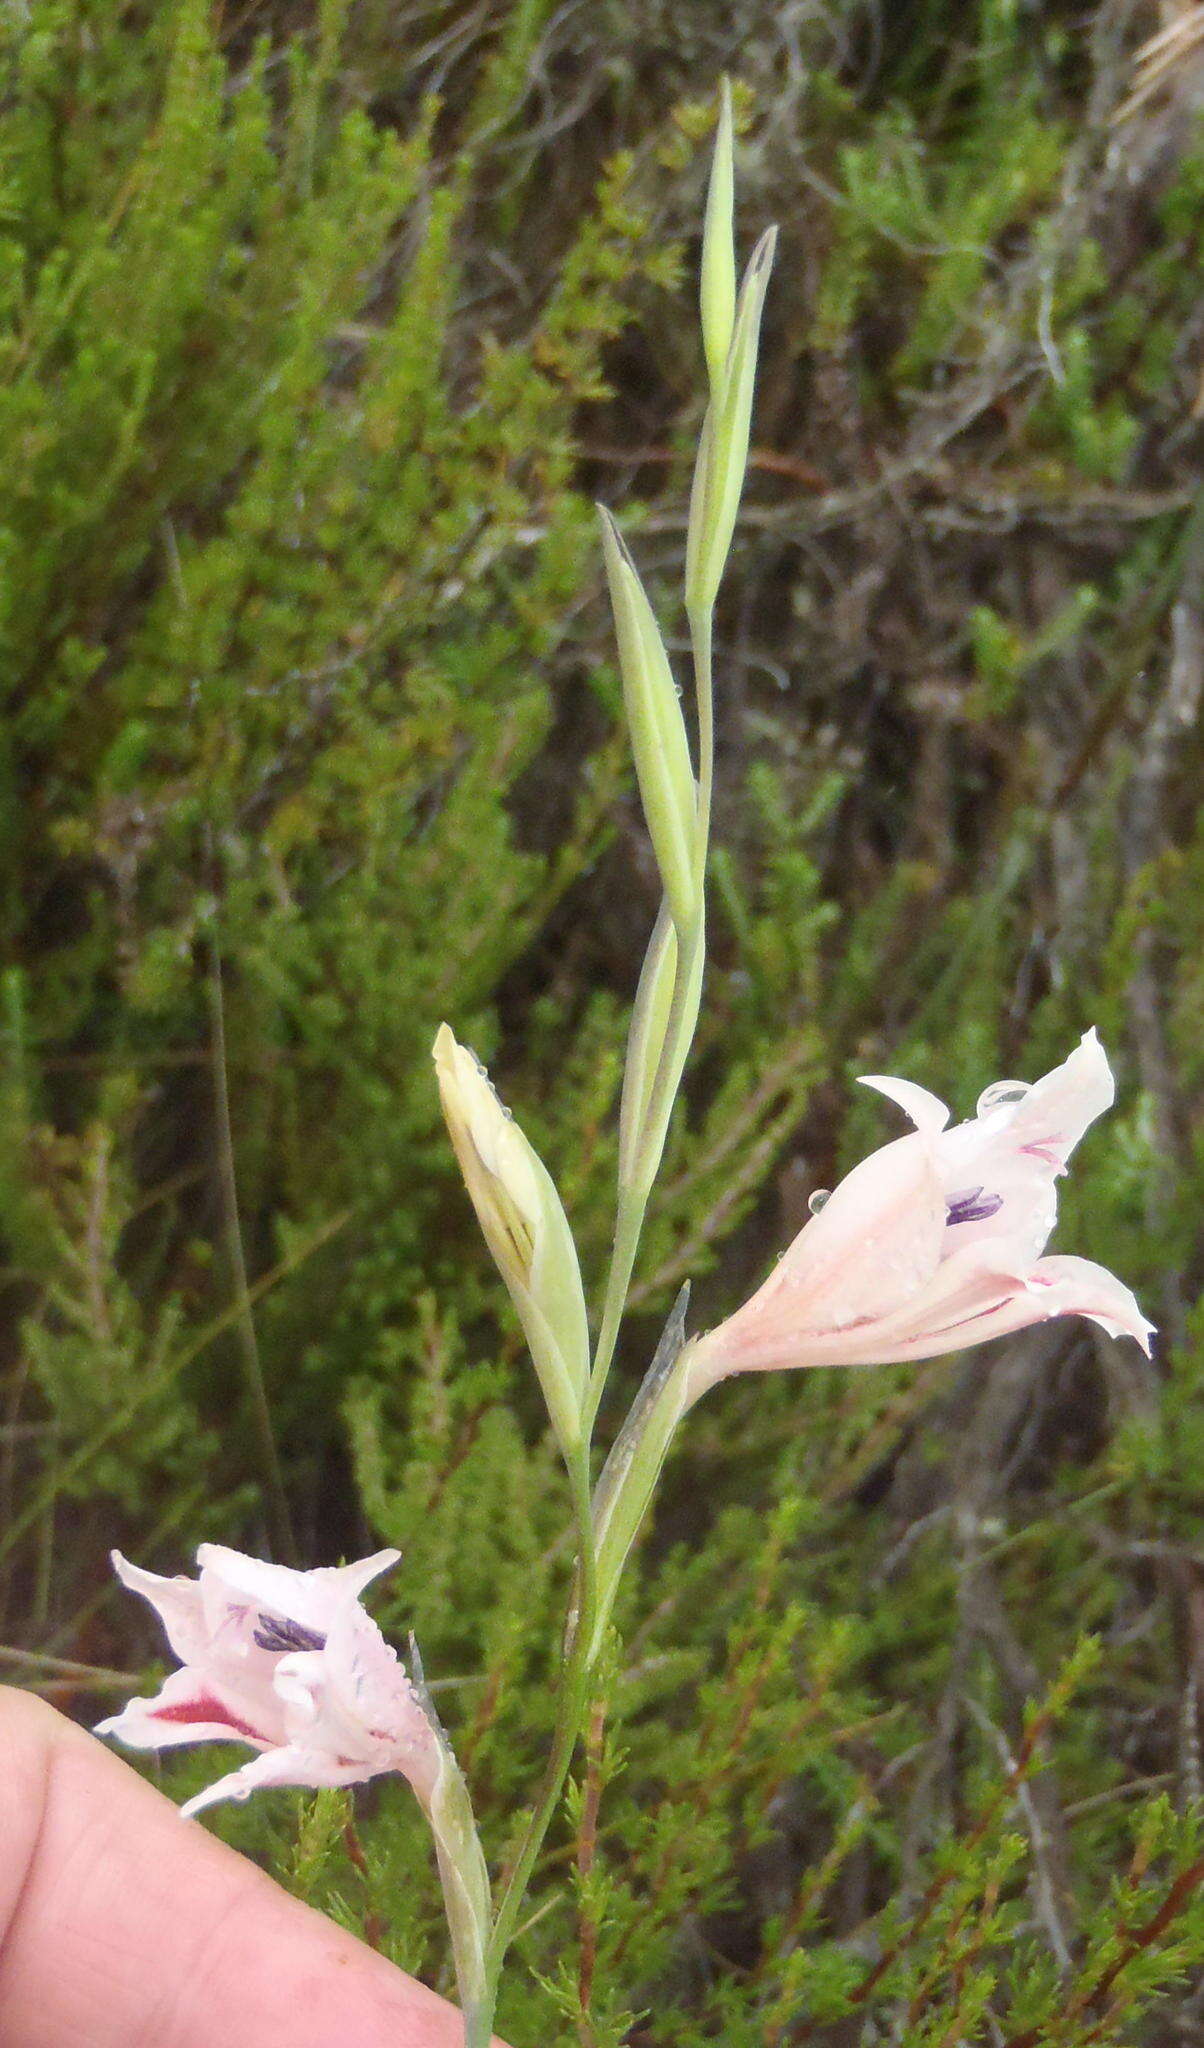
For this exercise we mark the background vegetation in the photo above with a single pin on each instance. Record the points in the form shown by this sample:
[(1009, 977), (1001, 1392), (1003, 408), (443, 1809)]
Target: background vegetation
[(321, 327)]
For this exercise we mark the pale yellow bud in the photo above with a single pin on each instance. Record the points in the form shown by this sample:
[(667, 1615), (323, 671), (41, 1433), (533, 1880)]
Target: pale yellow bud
[(525, 1228)]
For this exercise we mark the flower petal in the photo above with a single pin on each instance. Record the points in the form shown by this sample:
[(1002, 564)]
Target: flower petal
[(354, 1700), (1014, 1197), (927, 1111), (977, 1297), (1080, 1287), (966, 1286), (186, 1709), (177, 1602), (238, 1590), (369, 1683), (1014, 1151), (1057, 1110), (875, 1242), (276, 1767), (1043, 1123)]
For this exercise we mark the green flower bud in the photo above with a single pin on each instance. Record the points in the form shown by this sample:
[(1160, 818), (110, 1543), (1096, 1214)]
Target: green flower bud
[(641, 1132), (629, 1476), (723, 449), (658, 733), (718, 280)]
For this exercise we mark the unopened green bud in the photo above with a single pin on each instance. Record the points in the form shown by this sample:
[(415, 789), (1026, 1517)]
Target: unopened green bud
[(723, 449), (631, 1471), (645, 1041), (658, 733), (525, 1228), (643, 1122), (718, 281)]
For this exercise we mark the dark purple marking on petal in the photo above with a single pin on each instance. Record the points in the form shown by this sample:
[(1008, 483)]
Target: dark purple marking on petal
[(274, 1634), (972, 1205)]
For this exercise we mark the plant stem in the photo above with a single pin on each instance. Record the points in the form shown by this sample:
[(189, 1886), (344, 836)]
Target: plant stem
[(478, 2025), (583, 1636), (574, 1698), (587, 1846)]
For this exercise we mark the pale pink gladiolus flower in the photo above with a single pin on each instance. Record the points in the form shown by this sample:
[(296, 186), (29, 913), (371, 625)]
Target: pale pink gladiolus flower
[(287, 1661), (934, 1242)]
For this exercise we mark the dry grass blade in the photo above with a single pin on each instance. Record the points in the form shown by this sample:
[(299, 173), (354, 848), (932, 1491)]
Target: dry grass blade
[(1157, 61)]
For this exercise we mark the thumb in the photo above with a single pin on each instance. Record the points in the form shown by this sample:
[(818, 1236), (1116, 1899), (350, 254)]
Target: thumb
[(121, 1924)]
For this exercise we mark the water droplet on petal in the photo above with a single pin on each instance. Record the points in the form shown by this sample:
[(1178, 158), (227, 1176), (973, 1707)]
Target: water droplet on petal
[(816, 1201), (1000, 1094)]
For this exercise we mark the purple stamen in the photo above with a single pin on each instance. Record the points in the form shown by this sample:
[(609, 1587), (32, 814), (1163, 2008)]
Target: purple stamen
[(972, 1206), (287, 1635)]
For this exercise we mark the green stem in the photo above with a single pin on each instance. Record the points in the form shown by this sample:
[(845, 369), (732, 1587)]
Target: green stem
[(586, 1625), (478, 2024), (574, 1698)]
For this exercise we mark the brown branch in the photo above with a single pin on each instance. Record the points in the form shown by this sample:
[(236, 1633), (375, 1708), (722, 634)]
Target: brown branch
[(792, 466), (1091, 2001), (587, 1847)]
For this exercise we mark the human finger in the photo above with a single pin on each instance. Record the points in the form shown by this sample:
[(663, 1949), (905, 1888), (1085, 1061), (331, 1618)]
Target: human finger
[(123, 1926)]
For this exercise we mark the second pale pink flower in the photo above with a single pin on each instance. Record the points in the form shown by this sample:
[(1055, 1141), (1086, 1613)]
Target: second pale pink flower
[(934, 1242)]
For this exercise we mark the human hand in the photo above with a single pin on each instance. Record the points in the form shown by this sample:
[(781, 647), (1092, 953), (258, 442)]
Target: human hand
[(122, 1926)]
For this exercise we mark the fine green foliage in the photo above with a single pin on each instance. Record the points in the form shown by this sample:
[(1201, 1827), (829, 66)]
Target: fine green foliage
[(318, 337)]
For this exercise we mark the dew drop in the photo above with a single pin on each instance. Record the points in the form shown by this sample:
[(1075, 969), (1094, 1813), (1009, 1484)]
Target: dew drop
[(816, 1201), (999, 1094)]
